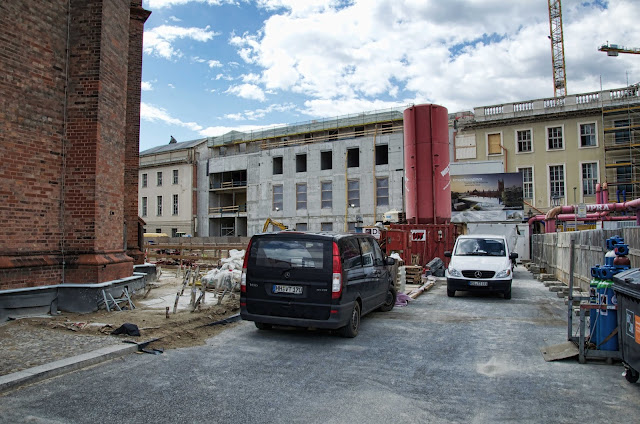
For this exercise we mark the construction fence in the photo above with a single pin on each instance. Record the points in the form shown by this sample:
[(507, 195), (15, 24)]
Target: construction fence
[(180, 251), (552, 252)]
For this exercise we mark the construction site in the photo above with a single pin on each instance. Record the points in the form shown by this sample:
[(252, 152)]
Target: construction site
[(91, 266)]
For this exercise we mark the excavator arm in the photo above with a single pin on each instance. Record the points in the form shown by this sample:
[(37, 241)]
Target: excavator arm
[(274, 223)]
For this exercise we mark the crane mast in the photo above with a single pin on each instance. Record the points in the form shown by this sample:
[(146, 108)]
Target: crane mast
[(557, 48)]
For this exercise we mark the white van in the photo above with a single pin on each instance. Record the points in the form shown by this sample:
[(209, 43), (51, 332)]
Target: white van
[(480, 263)]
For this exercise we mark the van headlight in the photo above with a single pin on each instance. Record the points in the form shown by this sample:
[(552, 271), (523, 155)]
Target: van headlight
[(454, 272), (504, 273)]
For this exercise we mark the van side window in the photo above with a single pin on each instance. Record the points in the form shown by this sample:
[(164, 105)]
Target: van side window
[(367, 252), (351, 253), (378, 256)]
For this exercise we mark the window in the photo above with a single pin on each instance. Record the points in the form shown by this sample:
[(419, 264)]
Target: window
[(158, 230), (556, 180), (554, 138), (382, 154), (623, 175), (588, 135), (366, 248), (175, 204), (359, 131), (386, 128), (159, 179), (465, 145), (353, 193), (175, 176), (159, 211), (624, 135), (353, 157), (351, 252), (382, 191), (351, 226), (145, 180), (277, 165), (277, 198), (523, 140), (326, 226), (326, 195), (527, 182), (301, 196), (332, 135), (145, 204), (302, 226), (174, 232), (301, 163), (494, 143), (589, 178), (326, 161)]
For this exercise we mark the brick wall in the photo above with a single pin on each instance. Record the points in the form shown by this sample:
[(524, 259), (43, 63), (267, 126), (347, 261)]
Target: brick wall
[(62, 177)]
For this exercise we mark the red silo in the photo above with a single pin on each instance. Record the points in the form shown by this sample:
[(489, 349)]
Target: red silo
[(426, 159)]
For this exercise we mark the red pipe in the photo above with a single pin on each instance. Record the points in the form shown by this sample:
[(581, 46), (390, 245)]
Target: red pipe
[(604, 207), (598, 194)]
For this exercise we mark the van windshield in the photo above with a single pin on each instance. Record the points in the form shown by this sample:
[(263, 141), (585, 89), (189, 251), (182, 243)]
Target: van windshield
[(290, 254), (480, 247)]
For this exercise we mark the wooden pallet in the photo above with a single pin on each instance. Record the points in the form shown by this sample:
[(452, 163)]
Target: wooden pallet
[(414, 274)]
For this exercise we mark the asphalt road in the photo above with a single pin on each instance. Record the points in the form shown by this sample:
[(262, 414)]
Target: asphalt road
[(463, 359)]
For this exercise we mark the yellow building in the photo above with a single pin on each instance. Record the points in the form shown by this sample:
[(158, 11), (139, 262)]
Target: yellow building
[(563, 147)]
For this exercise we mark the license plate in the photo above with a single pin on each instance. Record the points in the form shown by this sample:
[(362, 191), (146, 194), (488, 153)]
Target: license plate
[(286, 289), (478, 283)]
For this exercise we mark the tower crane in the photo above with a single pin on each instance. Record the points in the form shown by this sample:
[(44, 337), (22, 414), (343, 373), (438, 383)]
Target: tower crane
[(557, 48), (614, 49)]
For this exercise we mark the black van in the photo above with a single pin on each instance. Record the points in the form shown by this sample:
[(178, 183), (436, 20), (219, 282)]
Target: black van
[(319, 280)]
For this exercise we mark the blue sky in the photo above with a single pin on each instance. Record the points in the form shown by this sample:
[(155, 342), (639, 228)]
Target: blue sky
[(212, 66)]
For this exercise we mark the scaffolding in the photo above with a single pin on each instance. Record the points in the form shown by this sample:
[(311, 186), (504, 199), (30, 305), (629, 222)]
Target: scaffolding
[(621, 127)]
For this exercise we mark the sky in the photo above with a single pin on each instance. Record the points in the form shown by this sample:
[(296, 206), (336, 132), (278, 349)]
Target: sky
[(213, 66)]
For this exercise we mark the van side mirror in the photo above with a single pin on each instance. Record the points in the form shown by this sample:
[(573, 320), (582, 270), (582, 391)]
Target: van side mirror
[(513, 255), (390, 261), (447, 254)]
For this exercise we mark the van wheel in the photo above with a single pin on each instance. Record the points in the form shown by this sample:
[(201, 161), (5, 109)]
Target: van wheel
[(507, 294), (262, 326), (390, 300), (631, 375), (352, 327), (451, 293)]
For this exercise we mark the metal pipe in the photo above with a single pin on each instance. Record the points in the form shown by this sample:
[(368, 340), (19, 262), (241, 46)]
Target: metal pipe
[(608, 207)]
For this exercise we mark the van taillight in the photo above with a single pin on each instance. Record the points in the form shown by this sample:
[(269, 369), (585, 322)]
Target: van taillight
[(243, 279), (336, 280)]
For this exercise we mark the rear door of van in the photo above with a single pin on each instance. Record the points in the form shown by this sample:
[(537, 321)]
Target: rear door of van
[(289, 275)]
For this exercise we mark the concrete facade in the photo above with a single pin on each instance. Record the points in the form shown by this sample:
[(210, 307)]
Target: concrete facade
[(245, 171)]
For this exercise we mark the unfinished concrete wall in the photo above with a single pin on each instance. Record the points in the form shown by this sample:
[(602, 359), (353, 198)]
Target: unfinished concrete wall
[(553, 252)]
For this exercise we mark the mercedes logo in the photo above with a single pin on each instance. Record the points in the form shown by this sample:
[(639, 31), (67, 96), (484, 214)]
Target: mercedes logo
[(287, 275), (478, 274)]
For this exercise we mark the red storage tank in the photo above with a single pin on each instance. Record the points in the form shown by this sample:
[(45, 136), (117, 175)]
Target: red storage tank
[(426, 159)]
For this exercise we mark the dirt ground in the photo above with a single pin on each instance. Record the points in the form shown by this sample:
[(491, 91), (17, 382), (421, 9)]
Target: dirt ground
[(182, 329)]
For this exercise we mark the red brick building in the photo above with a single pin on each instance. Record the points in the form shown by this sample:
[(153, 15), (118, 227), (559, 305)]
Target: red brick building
[(69, 138)]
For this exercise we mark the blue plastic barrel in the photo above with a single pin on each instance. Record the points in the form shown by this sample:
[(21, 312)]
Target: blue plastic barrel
[(608, 319)]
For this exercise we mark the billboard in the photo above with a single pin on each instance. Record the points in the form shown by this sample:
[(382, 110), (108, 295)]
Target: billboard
[(487, 197)]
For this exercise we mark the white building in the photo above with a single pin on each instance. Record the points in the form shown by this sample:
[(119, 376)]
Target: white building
[(167, 194)]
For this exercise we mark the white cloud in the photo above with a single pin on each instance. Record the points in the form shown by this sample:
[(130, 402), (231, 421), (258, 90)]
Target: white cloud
[(146, 86), (224, 77), (159, 41), (171, 85), (349, 54), (214, 64), (215, 131), (247, 91), (154, 114), (159, 4), (174, 19), (253, 115)]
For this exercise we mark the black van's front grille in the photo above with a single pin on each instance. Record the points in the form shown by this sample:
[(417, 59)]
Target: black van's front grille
[(277, 309), (478, 274)]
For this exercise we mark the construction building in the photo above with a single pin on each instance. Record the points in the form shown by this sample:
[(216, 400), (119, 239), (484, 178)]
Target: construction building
[(326, 175), (167, 196), (564, 147)]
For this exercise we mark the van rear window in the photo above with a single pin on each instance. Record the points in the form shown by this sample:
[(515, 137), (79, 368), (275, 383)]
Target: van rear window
[(290, 254)]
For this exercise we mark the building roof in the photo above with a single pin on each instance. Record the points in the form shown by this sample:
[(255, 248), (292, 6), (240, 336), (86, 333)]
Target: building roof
[(173, 147)]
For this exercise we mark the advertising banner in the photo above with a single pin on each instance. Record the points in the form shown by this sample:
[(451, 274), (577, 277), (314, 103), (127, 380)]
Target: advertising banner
[(487, 197)]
